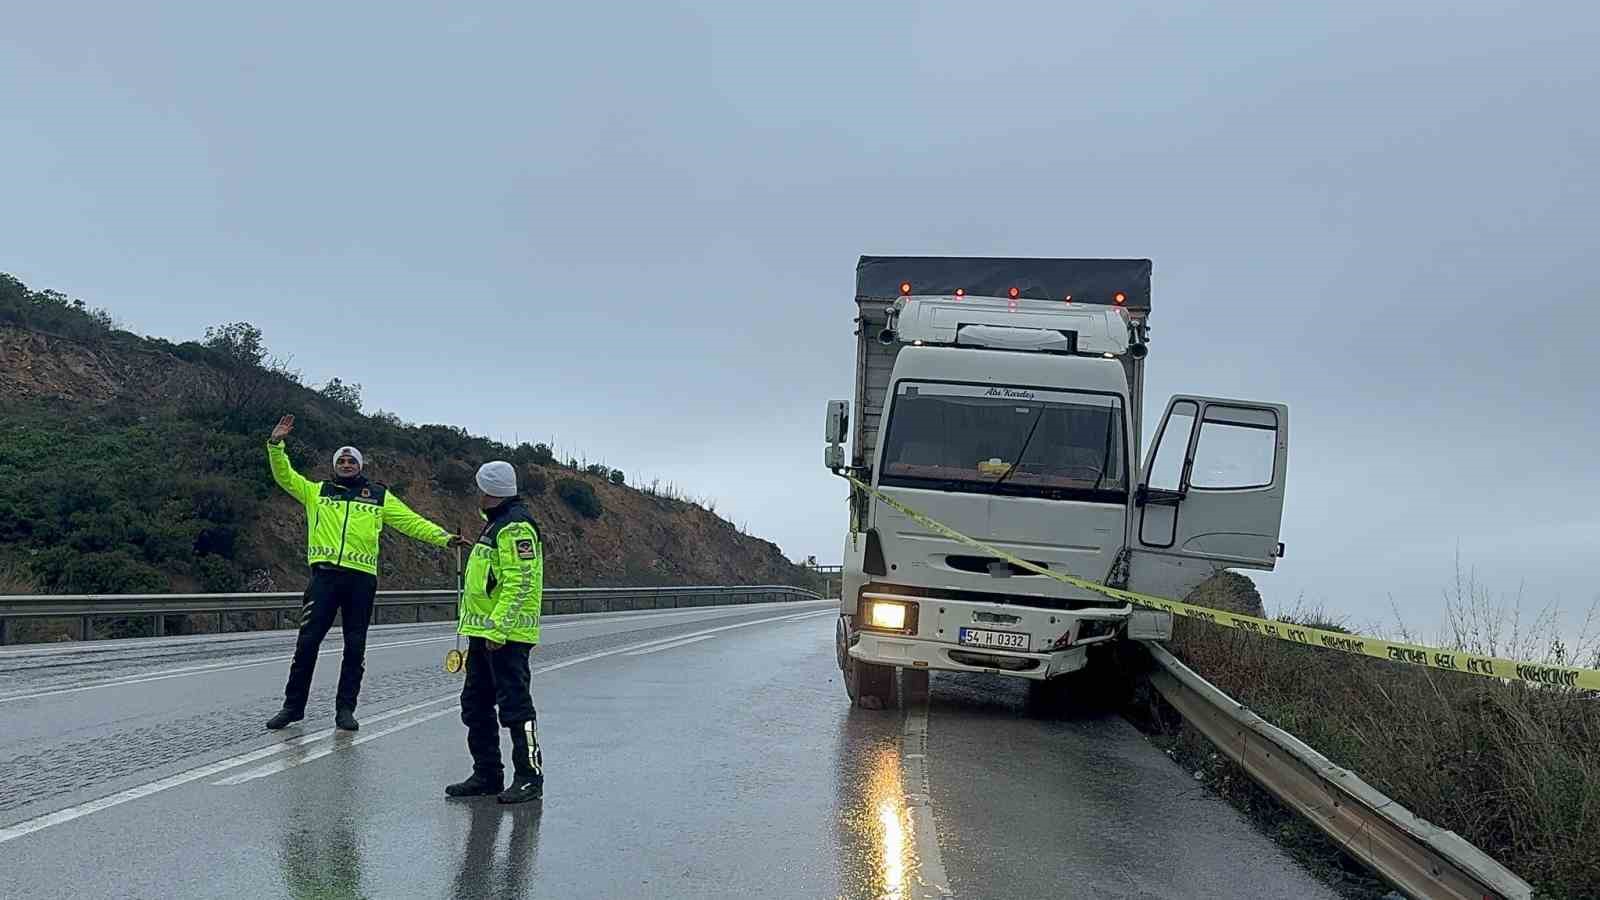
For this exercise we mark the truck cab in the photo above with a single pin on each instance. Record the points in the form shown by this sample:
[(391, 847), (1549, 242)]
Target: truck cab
[(1001, 399)]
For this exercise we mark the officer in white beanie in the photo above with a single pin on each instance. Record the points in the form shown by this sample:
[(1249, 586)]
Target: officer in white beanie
[(345, 518), (500, 607)]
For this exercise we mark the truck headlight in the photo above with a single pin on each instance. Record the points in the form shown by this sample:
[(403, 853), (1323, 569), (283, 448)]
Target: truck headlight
[(886, 614)]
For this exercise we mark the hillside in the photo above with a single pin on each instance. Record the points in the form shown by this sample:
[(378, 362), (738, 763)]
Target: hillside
[(136, 464)]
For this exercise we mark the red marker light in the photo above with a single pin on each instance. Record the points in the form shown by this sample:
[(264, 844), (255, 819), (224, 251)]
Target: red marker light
[(905, 288), (960, 292), (1069, 299), (1013, 293), (1120, 297)]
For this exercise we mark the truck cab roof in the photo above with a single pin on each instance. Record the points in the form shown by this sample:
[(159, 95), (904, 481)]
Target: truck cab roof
[(1013, 324), (1082, 281)]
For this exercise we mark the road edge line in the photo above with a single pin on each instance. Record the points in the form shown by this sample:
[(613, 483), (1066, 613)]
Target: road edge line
[(931, 882)]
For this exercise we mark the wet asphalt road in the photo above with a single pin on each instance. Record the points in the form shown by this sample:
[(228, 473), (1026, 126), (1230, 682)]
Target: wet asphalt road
[(681, 762)]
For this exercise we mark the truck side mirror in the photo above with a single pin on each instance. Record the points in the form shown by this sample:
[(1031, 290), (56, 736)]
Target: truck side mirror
[(838, 423)]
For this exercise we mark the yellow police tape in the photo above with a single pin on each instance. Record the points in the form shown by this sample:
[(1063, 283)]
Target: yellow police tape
[(1362, 645)]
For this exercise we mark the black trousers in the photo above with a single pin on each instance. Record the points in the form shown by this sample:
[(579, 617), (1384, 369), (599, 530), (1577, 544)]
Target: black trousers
[(500, 679), (349, 594)]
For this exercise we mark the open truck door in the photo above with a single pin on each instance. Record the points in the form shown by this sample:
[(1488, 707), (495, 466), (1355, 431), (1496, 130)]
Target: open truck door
[(1211, 494)]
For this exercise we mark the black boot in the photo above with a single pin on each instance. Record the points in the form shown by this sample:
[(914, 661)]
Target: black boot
[(346, 720), (284, 717), (528, 761), (524, 788), (478, 785)]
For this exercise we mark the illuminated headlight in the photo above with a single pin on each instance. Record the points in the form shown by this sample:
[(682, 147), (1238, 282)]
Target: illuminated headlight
[(884, 614)]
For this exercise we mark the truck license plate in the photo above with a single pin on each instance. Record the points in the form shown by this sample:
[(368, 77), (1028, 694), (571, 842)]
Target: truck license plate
[(1000, 640)]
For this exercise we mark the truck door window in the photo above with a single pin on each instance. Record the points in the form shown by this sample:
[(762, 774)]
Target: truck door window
[(1237, 449), (1166, 470)]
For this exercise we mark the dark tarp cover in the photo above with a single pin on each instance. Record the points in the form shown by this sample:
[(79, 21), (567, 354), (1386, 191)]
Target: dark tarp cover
[(1085, 280)]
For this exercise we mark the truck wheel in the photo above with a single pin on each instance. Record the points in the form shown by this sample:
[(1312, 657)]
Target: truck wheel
[(870, 686), (1103, 685), (1052, 698), (1109, 677)]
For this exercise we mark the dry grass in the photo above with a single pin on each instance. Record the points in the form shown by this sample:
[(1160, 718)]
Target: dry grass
[(1512, 768), (15, 579)]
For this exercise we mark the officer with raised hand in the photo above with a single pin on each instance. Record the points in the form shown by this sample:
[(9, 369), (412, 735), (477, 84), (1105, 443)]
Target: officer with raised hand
[(344, 518)]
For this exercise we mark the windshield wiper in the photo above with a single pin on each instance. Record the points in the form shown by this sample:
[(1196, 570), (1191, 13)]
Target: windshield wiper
[(939, 484), (1039, 417)]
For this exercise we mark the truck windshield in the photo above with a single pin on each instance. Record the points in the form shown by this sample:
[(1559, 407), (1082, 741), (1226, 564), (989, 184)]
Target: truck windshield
[(983, 439)]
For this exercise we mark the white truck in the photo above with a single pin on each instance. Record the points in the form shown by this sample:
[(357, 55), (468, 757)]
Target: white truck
[(1002, 398)]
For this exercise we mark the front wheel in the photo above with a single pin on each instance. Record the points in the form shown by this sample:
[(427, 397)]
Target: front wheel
[(1104, 684), (869, 685)]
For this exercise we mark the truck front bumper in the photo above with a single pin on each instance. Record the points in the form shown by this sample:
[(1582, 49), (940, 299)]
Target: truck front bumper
[(951, 636), (917, 653)]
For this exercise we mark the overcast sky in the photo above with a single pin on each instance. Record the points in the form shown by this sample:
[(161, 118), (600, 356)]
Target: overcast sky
[(632, 228)]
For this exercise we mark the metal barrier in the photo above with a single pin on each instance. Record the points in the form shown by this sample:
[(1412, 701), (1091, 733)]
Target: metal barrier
[(1418, 857), (86, 608)]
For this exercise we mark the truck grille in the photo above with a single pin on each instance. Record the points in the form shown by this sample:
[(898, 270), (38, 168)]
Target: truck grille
[(1032, 602), (988, 661)]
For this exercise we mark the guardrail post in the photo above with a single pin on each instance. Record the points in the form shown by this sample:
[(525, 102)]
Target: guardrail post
[(158, 625), (5, 631), (83, 628)]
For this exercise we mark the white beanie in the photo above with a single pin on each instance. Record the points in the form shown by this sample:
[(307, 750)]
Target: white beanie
[(497, 479), (349, 451)]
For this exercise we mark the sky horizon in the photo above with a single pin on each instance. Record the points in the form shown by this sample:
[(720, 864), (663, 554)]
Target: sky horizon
[(635, 237)]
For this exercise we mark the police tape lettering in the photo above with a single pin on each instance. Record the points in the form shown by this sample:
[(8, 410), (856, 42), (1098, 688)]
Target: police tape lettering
[(1361, 645)]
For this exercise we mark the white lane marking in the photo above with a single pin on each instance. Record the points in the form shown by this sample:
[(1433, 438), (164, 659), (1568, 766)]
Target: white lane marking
[(277, 766), (333, 746), (672, 645), (209, 667), (930, 878), (29, 826), (227, 641), (12, 832), (234, 666)]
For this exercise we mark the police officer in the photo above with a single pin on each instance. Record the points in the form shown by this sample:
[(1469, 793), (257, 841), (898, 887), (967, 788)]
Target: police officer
[(344, 518), (500, 615)]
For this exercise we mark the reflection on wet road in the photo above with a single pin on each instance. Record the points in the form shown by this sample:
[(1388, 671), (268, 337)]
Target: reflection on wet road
[(725, 766)]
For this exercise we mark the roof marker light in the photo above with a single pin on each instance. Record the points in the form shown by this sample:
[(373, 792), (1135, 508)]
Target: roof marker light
[(1120, 298), (1013, 293)]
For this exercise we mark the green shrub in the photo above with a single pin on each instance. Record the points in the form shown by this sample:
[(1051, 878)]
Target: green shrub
[(63, 570), (580, 496)]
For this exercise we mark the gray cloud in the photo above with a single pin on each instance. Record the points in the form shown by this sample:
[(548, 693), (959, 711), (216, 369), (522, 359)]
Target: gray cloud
[(644, 222)]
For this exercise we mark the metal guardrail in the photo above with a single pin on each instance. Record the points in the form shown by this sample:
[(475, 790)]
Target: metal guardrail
[(1416, 856), (87, 608)]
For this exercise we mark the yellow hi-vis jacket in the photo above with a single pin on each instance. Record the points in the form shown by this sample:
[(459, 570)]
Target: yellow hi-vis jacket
[(504, 592), (343, 522)]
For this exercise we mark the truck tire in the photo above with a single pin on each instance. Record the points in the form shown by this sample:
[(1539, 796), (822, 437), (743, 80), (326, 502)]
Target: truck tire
[(870, 686), (1103, 685), (1053, 698)]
